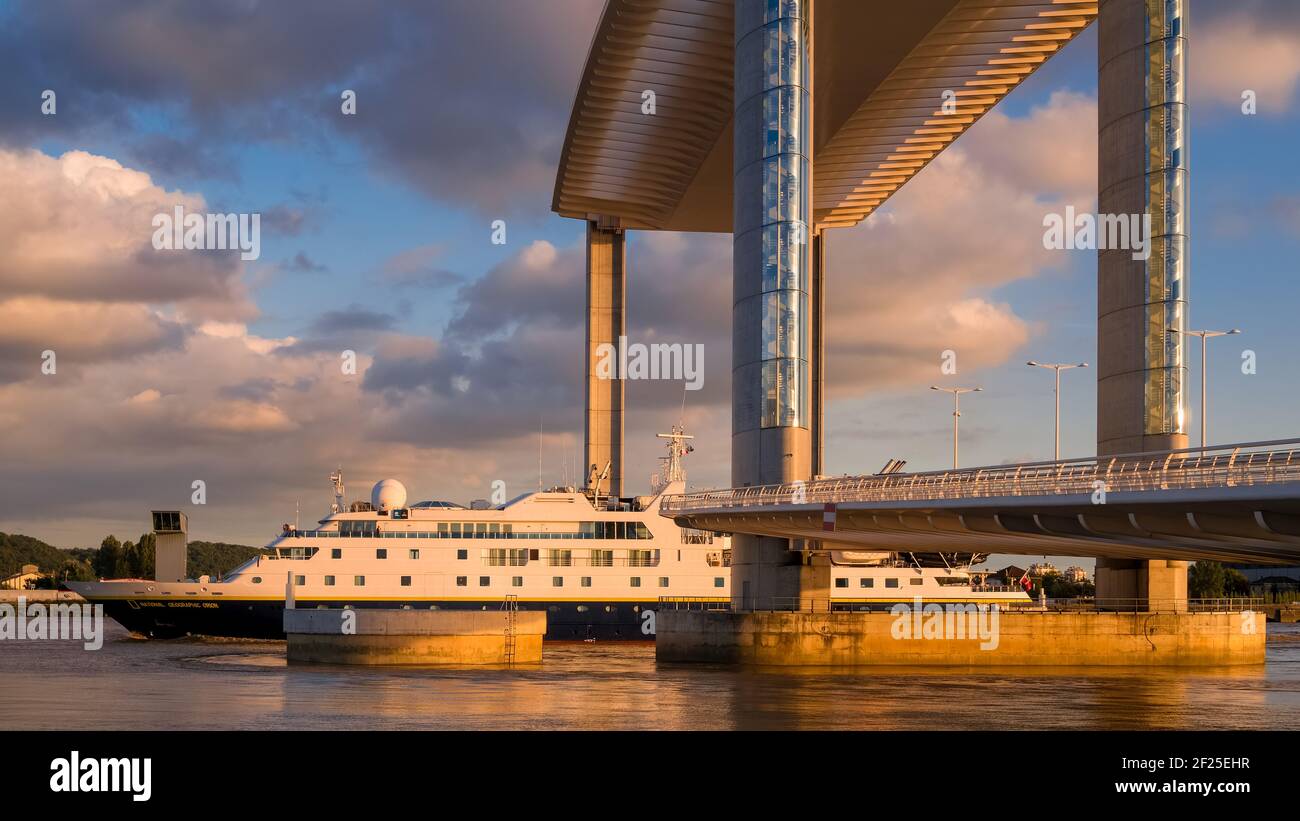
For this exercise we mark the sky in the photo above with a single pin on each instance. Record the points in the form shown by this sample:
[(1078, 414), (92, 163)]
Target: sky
[(376, 237)]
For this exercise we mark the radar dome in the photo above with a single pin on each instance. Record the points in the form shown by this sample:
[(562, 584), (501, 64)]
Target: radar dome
[(388, 495)]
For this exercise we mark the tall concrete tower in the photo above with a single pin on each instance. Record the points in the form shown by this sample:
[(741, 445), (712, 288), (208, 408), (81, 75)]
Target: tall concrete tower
[(1142, 169), (606, 323), (771, 434)]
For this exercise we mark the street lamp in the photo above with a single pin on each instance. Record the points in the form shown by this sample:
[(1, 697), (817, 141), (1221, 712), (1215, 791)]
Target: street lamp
[(1204, 335), (1058, 367), (956, 413)]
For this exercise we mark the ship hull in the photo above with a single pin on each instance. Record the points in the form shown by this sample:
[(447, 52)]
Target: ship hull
[(264, 619)]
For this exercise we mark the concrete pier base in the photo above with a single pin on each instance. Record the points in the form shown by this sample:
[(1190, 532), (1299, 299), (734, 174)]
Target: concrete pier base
[(1019, 639), (413, 636)]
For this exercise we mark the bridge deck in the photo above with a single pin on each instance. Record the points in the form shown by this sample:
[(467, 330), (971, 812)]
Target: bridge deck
[(1229, 502)]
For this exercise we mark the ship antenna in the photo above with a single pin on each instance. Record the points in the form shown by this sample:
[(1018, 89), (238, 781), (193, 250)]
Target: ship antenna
[(336, 479)]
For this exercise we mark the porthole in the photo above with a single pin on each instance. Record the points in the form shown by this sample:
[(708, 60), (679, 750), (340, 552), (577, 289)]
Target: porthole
[(582, 608)]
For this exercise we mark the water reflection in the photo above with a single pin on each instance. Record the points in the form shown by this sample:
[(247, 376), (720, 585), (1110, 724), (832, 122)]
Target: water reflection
[(248, 685)]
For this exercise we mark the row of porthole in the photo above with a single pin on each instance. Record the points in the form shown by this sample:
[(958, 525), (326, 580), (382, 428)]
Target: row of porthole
[(582, 608), (515, 581)]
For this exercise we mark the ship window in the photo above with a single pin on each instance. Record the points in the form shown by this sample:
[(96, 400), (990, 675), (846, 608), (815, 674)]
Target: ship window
[(442, 527), (406, 581), (640, 558), (484, 581), (586, 581), (635, 581), (507, 528), (481, 527), (336, 553), (462, 581), (841, 582), (495, 527), (557, 581), (534, 555), (413, 553), (516, 581), (643, 532), (299, 579), (602, 558), (891, 582), (718, 581), (329, 581), (866, 582), (561, 558), (462, 554), (381, 553), (359, 581), (582, 608), (663, 581), (914, 581), (455, 529), (257, 580)]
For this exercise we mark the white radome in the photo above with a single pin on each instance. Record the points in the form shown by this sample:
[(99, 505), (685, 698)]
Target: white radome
[(388, 495)]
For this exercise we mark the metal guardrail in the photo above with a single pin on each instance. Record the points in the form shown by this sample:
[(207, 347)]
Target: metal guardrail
[(1249, 463), (783, 604)]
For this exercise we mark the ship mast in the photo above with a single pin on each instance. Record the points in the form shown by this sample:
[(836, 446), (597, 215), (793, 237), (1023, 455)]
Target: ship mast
[(336, 479), (673, 471)]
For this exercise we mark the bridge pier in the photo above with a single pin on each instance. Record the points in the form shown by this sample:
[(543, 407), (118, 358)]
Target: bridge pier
[(1142, 169), (1123, 584)]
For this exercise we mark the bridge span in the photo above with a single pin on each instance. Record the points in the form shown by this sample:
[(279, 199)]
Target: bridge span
[(1227, 502)]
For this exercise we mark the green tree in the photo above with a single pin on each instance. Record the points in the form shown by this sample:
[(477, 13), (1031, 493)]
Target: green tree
[(106, 560), (1206, 580), (1058, 587), (1235, 582)]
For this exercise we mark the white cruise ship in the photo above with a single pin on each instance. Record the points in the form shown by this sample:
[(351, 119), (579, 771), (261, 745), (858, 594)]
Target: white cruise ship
[(598, 566)]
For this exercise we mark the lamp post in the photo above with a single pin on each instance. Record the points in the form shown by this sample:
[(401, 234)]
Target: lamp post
[(1058, 367), (956, 413), (1204, 335)]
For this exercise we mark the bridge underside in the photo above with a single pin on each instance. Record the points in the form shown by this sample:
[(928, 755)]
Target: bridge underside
[(1247, 524)]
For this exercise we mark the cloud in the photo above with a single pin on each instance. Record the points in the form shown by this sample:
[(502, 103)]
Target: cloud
[(84, 232), (418, 268), (303, 264), (1245, 46), (465, 100)]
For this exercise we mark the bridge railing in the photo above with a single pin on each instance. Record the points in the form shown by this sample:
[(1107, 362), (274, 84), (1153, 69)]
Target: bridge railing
[(1249, 463), (786, 604)]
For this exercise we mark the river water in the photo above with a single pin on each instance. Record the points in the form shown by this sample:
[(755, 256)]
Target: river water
[(233, 684)]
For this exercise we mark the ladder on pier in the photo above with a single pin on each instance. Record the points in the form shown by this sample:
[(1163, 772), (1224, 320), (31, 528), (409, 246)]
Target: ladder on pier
[(511, 609)]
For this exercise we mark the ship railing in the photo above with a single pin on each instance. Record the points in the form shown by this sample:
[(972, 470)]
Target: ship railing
[(791, 604), (1250, 463)]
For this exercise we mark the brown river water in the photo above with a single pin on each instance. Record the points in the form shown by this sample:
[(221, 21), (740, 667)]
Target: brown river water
[(230, 684)]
